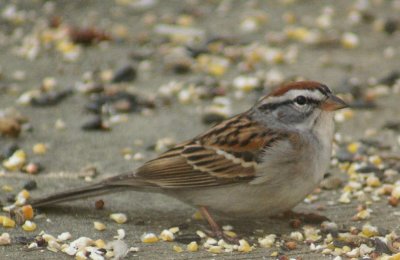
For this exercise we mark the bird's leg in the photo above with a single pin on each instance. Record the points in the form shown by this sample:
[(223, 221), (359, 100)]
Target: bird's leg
[(216, 230)]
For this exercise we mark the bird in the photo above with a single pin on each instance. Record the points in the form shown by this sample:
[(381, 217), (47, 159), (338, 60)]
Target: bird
[(256, 164)]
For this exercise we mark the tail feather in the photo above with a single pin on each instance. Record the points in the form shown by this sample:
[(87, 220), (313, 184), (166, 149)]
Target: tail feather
[(75, 194)]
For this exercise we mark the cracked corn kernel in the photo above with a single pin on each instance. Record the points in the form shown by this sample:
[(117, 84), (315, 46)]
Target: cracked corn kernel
[(369, 230), (244, 246), (215, 249), (230, 233), (192, 246), (27, 212), (267, 241), (99, 226), (29, 226), (174, 229), (353, 147), (8, 222), (350, 40), (149, 238), (120, 218), (5, 239), (197, 215), (373, 181), (396, 192), (16, 161), (177, 249), (100, 243), (39, 148), (167, 235), (363, 214)]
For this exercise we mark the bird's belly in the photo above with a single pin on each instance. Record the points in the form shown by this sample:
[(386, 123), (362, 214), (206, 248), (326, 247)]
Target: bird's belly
[(246, 200)]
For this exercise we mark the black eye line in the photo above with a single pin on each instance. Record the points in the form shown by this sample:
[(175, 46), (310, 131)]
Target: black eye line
[(308, 101), (272, 106)]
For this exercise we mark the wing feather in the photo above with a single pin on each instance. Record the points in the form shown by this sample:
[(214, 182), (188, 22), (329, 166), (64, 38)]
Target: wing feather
[(227, 153)]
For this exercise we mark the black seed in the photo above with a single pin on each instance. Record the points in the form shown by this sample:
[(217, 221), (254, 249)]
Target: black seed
[(381, 247), (124, 74), (30, 185), (392, 125), (94, 124), (187, 238), (391, 78), (51, 98), (391, 26)]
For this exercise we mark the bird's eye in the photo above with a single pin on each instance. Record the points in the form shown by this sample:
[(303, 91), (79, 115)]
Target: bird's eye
[(300, 100)]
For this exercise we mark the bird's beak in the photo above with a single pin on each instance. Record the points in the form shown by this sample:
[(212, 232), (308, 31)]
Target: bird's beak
[(333, 103)]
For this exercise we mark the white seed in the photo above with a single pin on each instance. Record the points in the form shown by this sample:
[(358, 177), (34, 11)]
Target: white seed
[(167, 235), (64, 236), (99, 226), (120, 218)]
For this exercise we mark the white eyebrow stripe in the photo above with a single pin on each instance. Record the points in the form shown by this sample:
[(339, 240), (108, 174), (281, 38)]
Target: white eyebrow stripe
[(292, 94)]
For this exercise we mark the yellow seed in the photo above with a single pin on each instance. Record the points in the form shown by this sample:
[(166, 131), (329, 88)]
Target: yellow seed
[(29, 226), (244, 246), (177, 249), (99, 226), (373, 181), (24, 194), (197, 215), (149, 238), (353, 147), (120, 218), (7, 188), (275, 253), (363, 214), (16, 161), (376, 160), (215, 249), (100, 243), (350, 40), (230, 233), (369, 231), (39, 148), (216, 69), (8, 222), (192, 246), (395, 257), (174, 229)]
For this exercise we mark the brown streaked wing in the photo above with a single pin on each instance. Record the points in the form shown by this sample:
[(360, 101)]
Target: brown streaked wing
[(227, 153)]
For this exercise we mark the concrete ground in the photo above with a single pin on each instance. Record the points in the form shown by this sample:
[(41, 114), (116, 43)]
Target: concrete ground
[(72, 149)]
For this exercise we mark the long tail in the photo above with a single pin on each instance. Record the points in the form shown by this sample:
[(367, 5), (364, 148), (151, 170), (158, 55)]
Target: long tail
[(75, 194), (110, 185)]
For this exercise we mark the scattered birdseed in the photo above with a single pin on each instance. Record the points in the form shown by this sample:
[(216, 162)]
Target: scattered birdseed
[(192, 247), (268, 241), (244, 246), (167, 235), (120, 218), (5, 239), (7, 222), (99, 226), (149, 238), (29, 226), (39, 148), (16, 161), (121, 234), (177, 249), (215, 249), (64, 236)]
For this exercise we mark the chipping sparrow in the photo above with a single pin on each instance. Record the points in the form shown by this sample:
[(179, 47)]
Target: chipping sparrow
[(256, 164)]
